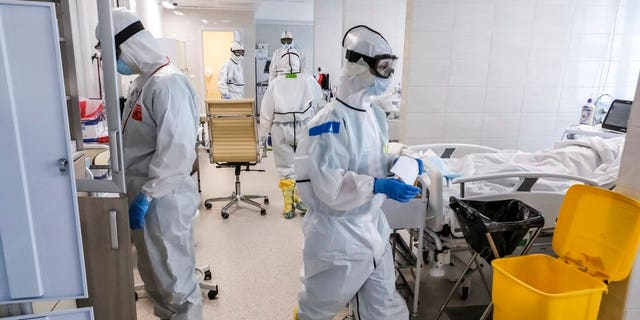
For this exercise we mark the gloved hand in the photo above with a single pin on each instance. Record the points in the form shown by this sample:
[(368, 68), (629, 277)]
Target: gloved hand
[(226, 96), (420, 165), (395, 189), (137, 211)]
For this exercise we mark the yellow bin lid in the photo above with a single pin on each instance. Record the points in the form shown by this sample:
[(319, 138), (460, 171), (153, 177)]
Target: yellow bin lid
[(598, 231)]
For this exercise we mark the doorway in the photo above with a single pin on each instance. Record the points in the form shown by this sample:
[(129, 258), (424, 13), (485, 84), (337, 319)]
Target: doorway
[(215, 51)]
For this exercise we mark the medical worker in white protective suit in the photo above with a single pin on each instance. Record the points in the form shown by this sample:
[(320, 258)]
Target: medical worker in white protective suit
[(159, 127), (342, 171), (289, 103), (287, 43), (230, 78)]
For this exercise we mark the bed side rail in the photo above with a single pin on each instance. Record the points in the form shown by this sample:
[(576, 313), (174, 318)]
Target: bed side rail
[(450, 150), (526, 180)]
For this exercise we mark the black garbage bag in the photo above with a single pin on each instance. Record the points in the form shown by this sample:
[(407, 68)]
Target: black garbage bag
[(506, 220)]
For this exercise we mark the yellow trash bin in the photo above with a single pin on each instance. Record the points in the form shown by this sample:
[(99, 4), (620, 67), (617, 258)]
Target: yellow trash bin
[(596, 239)]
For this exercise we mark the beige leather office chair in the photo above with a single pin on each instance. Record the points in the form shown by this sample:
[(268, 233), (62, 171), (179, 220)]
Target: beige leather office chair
[(234, 143)]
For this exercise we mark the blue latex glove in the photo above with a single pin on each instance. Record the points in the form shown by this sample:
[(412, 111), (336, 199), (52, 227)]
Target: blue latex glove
[(420, 165), (226, 96), (137, 211), (395, 189)]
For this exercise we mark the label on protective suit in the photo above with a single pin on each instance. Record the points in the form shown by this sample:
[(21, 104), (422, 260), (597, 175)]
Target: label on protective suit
[(327, 127), (137, 113)]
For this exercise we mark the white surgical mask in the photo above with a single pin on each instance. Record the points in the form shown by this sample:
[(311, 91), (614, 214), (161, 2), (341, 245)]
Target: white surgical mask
[(123, 67), (380, 85)]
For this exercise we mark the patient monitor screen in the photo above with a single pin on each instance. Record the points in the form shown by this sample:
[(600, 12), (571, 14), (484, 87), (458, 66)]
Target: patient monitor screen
[(618, 116)]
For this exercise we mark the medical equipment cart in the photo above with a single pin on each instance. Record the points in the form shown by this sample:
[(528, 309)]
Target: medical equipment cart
[(410, 216)]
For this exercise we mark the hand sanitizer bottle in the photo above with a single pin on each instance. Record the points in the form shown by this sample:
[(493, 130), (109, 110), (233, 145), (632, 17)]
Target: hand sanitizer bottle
[(586, 116)]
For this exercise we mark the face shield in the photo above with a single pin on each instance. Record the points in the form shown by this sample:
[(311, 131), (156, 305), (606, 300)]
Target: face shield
[(286, 40)]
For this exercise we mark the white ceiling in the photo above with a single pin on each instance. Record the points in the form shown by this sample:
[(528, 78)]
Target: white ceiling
[(233, 4), (266, 11)]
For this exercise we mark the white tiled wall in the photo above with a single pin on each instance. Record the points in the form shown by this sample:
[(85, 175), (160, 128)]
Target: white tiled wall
[(334, 17), (327, 36), (513, 73)]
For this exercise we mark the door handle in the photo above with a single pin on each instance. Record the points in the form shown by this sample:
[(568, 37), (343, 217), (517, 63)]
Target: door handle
[(63, 165), (113, 227)]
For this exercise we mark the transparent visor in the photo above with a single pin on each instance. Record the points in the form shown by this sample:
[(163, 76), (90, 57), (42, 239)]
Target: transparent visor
[(286, 40), (384, 67), (238, 52)]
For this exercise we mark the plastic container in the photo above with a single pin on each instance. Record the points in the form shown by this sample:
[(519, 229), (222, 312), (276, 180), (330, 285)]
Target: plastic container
[(90, 109), (541, 287), (596, 239), (586, 115)]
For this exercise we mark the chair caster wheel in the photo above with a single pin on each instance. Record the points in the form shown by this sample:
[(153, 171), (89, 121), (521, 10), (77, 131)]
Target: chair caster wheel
[(208, 205), (212, 294), (266, 200), (426, 257), (135, 296), (225, 215), (464, 293), (263, 212), (207, 275)]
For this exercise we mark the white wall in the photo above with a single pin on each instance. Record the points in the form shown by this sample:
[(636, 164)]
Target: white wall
[(327, 37), (150, 12), (84, 21), (302, 35), (386, 17), (513, 73), (189, 28), (285, 11), (334, 17)]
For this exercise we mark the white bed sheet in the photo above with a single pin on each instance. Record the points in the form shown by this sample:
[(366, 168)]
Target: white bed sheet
[(593, 157)]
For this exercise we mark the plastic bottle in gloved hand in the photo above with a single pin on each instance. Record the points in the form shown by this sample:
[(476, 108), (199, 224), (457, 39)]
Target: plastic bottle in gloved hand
[(395, 189)]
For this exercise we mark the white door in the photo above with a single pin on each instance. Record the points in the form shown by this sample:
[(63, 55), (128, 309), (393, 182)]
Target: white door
[(40, 242)]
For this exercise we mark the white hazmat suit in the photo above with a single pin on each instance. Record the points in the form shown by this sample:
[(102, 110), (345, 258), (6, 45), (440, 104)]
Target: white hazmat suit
[(231, 78), (287, 43), (290, 101), (347, 255), (159, 127)]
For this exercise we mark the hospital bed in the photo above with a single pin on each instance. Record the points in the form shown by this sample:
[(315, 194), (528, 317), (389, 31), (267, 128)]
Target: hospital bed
[(440, 235)]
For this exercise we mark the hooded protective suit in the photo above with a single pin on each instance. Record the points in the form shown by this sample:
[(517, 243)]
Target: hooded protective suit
[(290, 101), (159, 128), (347, 255), (231, 78), (278, 53)]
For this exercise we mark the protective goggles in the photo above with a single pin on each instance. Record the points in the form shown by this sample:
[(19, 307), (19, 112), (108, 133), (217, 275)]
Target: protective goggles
[(124, 35), (381, 65), (238, 52), (286, 40)]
